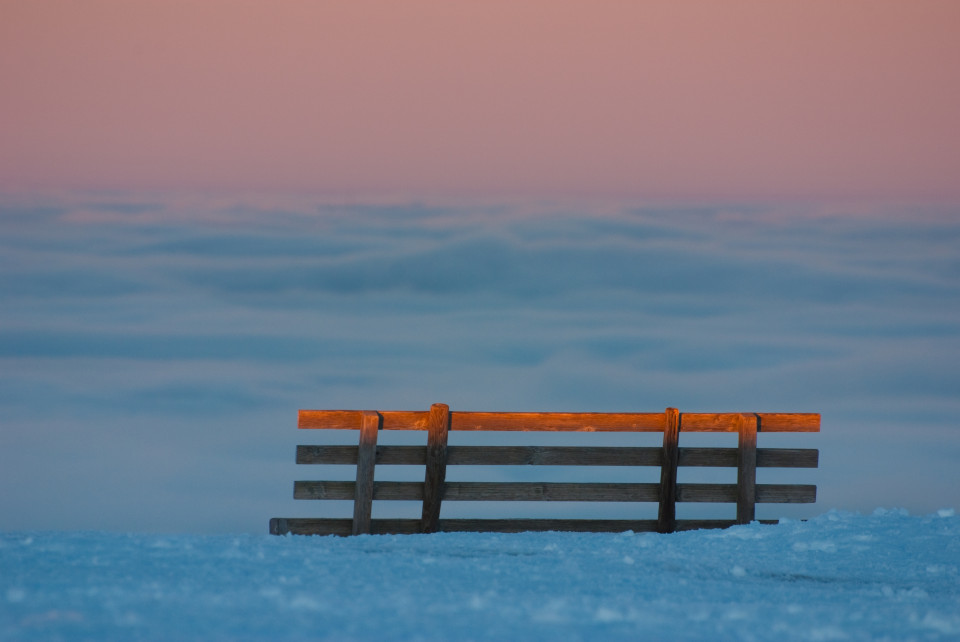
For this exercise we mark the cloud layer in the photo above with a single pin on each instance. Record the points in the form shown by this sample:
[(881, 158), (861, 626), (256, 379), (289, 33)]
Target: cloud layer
[(154, 357)]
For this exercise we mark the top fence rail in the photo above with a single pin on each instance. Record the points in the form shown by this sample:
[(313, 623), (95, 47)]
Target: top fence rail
[(562, 421)]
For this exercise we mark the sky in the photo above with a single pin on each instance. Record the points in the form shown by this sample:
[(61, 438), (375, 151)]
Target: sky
[(213, 214), (521, 98)]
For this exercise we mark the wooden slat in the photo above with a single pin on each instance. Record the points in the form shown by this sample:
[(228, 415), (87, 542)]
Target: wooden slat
[(788, 457), (366, 461), (329, 454), (765, 493), (490, 455), (487, 491), (328, 526), (766, 457), (551, 492), (386, 455), (335, 526), (710, 421), (330, 419), (310, 526), (526, 524), (552, 456), (714, 457), (323, 489), (405, 420), (387, 490), (436, 466), (713, 493), (351, 419), (561, 456), (747, 468), (786, 493), (670, 454), (550, 421), (789, 422), (557, 421), (769, 421), (699, 524)]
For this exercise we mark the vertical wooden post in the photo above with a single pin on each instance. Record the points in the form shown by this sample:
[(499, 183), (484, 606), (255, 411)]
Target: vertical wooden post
[(667, 516), (436, 469), (366, 459), (747, 468)]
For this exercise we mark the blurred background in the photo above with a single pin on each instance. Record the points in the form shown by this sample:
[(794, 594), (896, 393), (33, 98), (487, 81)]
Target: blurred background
[(214, 214)]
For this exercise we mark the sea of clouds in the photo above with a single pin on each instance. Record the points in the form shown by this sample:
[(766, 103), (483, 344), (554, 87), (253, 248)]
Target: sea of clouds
[(154, 351)]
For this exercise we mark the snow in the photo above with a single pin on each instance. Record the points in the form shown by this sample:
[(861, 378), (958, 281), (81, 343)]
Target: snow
[(839, 576)]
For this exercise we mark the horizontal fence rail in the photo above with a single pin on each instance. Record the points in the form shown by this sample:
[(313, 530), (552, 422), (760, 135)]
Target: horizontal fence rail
[(557, 492), (560, 456), (333, 526), (436, 456), (560, 421)]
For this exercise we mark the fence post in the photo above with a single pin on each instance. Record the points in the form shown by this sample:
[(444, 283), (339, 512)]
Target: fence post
[(366, 460), (667, 515), (747, 468), (436, 469)]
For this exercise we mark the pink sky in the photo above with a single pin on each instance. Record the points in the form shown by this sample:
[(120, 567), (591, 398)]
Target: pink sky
[(545, 98)]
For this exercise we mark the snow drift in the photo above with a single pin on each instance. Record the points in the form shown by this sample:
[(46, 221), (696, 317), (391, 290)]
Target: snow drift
[(838, 576)]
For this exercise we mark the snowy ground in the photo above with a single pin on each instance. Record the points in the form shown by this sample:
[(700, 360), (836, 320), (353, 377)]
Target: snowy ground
[(839, 576)]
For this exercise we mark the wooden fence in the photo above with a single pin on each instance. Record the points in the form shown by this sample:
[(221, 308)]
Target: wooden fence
[(436, 456)]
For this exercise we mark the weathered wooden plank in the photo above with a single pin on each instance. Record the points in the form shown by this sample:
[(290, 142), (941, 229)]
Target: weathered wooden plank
[(766, 457), (366, 461), (769, 421), (561, 456), (386, 455), (715, 457), (279, 526), (490, 455), (557, 421), (710, 493), (405, 419), (386, 490), (436, 466), (352, 419), (323, 489), (336, 526), (747, 468), (700, 524), (488, 491), (527, 524), (670, 454), (560, 421), (788, 457), (552, 456), (765, 493), (551, 492), (330, 419), (710, 421), (789, 422), (333, 526), (786, 493), (329, 454)]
